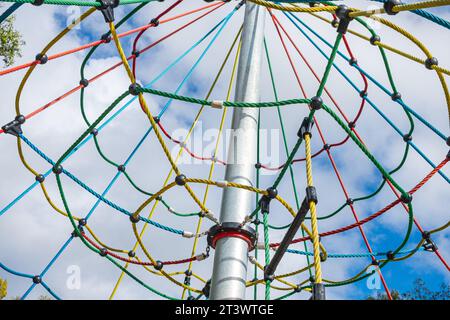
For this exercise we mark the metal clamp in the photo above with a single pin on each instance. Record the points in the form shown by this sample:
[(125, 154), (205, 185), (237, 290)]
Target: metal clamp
[(234, 230)]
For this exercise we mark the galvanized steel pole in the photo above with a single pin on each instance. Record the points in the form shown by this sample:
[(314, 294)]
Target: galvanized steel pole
[(231, 253)]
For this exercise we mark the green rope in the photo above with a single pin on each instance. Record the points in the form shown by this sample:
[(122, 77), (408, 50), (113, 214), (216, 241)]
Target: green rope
[(329, 65), (283, 131)]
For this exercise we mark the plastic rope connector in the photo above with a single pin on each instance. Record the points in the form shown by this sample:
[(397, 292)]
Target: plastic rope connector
[(154, 22), (353, 62), (107, 9), (311, 194), (159, 265), (14, 127), (390, 255), (134, 89), (37, 3), (396, 96), (106, 38), (57, 169), (335, 23), (342, 12), (318, 291), (84, 82), (135, 219), (136, 53), (264, 202), (316, 103), (429, 244), (200, 257), (374, 39), (103, 252), (222, 184), (406, 198), (42, 58), (430, 62), (389, 6), (305, 128), (180, 180), (207, 289)]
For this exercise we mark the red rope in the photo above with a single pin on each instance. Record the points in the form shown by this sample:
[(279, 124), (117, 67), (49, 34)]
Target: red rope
[(373, 216), (96, 77), (98, 42), (356, 118), (128, 260)]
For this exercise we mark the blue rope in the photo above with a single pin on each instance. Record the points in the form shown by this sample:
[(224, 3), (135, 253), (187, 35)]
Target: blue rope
[(427, 15), (93, 192), (52, 261), (110, 119), (16, 273), (29, 276), (131, 155), (189, 74), (50, 291), (402, 103), (20, 196), (424, 14), (378, 84), (358, 90), (354, 255)]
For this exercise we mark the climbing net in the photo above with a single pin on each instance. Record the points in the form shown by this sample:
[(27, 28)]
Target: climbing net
[(138, 262)]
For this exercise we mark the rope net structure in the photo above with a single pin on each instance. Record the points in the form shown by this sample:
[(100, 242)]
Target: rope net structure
[(163, 232)]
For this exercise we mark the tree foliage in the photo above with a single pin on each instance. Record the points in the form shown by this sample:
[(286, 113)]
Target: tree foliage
[(3, 288), (420, 291), (10, 42), (383, 296)]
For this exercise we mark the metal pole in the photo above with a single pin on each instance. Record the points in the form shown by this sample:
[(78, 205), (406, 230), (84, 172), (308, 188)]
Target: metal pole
[(231, 253)]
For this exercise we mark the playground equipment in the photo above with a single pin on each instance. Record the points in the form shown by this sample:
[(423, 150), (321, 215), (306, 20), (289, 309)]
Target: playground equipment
[(243, 227)]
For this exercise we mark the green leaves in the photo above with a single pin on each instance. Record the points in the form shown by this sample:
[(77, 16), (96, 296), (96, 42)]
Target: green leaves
[(10, 42), (3, 288)]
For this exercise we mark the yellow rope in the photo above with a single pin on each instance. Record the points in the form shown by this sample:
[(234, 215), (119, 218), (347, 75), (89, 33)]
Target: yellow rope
[(164, 273), (45, 50), (312, 209), (166, 185), (150, 116), (279, 278), (388, 47), (166, 151), (355, 12), (402, 7), (19, 141), (424, 50), (294, 8), (222, 122), (220, 184), (422, 47)]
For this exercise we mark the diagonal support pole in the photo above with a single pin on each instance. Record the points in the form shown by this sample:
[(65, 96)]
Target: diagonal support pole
[(287, 239)]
